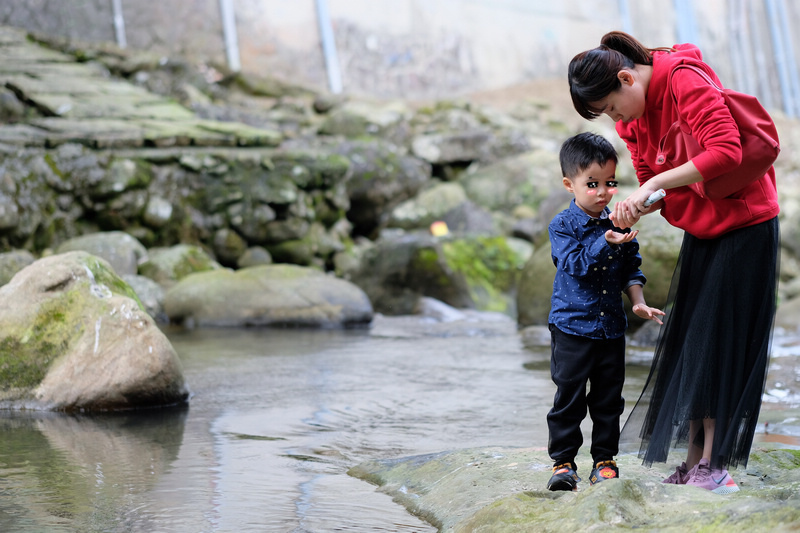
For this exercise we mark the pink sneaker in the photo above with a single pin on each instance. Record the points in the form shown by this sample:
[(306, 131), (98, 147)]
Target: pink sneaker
[(679, 476), (717, 480)]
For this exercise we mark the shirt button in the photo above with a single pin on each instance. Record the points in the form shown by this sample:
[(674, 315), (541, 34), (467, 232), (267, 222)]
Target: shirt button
[(602, 313), (605, 268), (595, 268), (605, 292), (611, 257)]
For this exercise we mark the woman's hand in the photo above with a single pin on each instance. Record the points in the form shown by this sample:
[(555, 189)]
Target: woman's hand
[(650, 313), (628, 212)]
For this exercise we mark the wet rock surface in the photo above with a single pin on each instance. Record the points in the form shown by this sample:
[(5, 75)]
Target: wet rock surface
[(268, 295), (503, 490)]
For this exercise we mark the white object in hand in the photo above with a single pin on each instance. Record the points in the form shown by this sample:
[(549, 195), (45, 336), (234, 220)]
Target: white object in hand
[(656, 196)]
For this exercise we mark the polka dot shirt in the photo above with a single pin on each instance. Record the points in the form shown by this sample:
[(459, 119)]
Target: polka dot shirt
[(591, 275)]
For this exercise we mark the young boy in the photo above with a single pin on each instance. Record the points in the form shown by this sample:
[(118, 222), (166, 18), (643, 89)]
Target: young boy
[(595, 262)]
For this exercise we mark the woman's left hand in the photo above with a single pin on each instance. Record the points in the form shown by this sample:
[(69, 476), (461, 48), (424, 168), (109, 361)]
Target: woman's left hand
[(630, 210)]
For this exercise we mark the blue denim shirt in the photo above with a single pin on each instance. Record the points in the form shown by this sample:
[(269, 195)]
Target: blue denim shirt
[(590, 275)]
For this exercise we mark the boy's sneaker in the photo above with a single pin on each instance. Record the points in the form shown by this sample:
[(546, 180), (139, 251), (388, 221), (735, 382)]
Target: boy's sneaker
[(679, 476), (564, 478), (604, 470), (717, 480)]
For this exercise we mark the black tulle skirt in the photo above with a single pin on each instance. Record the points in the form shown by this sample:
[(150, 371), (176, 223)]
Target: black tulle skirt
[(712, 354)]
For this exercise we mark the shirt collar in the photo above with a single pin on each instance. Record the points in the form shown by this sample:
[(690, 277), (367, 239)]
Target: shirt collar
[(581, 215)]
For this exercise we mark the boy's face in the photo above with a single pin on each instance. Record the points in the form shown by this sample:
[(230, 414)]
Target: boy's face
[(593, 187)]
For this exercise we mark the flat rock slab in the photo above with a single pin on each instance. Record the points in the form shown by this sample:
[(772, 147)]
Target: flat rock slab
[(267, 295), (503, 490), (80, 96)]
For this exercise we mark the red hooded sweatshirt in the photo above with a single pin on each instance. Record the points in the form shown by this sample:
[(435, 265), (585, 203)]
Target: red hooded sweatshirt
[(703, 108)]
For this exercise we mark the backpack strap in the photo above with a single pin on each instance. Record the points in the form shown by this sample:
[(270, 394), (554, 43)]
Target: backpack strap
[(702, 73)]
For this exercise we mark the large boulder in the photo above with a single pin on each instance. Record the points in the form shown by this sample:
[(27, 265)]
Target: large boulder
[(788, 316), (267, 295), (536, 288), (73, 336), (428, 206), (396, 272), (524, 179), (473, 272), (12, 262), (150, 294), (359, 119), (452, 135), (166, 266), (382, 176), (122, 251)]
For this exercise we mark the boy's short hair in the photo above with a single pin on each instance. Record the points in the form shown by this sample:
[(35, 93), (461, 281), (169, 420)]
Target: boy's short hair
[(580, 151)]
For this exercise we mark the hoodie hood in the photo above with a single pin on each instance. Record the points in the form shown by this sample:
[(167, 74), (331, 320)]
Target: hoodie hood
[(665, 62)]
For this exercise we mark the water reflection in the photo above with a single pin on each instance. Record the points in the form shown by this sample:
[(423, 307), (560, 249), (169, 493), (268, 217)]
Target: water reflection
[(82, 469)]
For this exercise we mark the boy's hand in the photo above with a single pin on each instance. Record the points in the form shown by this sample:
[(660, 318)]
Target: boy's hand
[(650, 313), (614, 237)]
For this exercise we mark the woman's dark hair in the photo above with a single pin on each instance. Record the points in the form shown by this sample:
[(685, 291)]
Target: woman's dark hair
[(593, 74), (579, 152)]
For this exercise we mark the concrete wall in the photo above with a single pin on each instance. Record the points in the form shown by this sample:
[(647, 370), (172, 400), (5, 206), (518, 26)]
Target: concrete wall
[(426, 48)]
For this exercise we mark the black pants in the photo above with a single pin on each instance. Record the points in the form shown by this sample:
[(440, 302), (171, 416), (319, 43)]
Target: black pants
[(574, 361)]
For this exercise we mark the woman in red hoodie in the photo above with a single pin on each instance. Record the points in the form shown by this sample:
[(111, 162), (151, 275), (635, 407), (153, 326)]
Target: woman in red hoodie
[(710, 364)]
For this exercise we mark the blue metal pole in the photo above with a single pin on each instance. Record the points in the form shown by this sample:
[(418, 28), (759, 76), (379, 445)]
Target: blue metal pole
[(119, 23), (625, 16), (687, 28), (791, 62), (329, 47), (229, 32), (780, 57), (760, 69)]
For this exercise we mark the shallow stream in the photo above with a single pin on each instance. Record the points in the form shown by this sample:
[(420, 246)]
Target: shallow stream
[(276, 419)]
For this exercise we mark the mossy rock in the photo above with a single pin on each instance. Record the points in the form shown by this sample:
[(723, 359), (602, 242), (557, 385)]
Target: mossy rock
[(169, 265), (34, 336), (502, 490), (491, 268)]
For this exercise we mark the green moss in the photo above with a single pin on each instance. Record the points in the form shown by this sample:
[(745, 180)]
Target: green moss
[(488, 258), (26, 358), (426, 265), (142, 176), (115, 284), (194, 260), (796, 455), (18, 369), (310, 170), (48, 158), (783, 459), (490, 267), (26, 355)]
